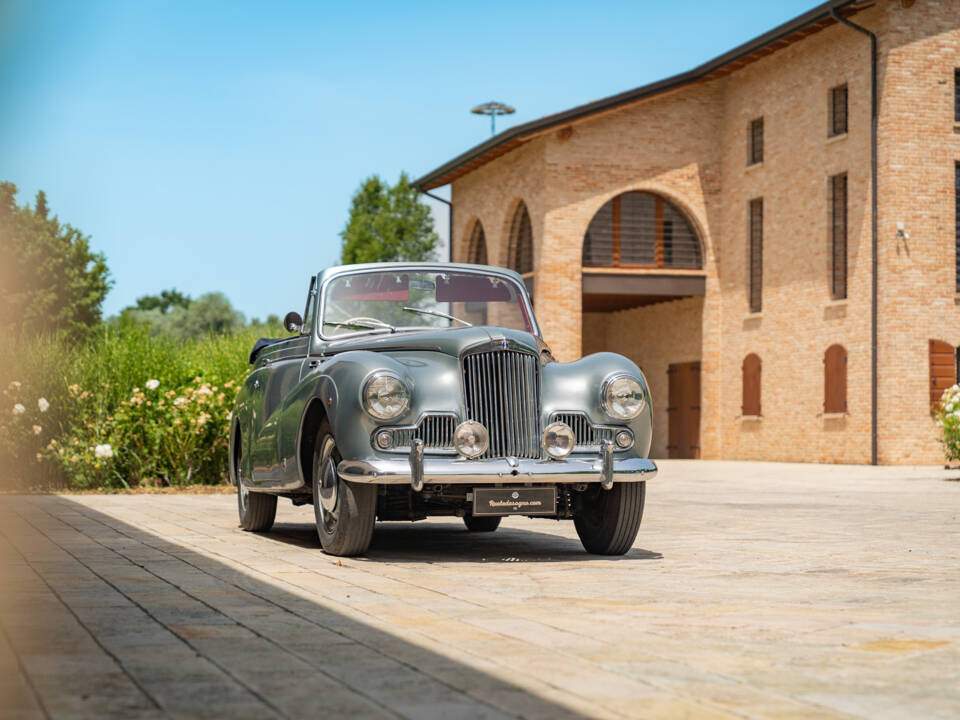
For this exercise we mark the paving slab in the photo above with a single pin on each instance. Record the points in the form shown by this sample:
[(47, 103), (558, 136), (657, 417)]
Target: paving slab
[(754, 590)]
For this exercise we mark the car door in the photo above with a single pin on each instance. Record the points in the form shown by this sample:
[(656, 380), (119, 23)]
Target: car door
[(282, 365)]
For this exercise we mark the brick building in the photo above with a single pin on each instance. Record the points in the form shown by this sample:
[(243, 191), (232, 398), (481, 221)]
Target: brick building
[(717, 228)]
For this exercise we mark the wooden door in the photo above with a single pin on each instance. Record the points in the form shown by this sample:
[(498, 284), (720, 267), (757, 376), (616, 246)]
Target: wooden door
[(943, 369), (684, 410)]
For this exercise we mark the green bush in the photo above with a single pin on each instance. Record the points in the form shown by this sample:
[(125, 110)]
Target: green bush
[(947, 414), (122, 410)]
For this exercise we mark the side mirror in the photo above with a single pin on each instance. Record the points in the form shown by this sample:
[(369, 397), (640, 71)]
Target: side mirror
[(292, 322)]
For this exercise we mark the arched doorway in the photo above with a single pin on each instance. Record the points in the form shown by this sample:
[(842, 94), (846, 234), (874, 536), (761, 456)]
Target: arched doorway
[(643, 287), (520, 244)]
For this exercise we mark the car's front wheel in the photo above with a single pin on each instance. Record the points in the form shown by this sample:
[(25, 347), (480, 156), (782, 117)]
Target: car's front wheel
[(607, 521), (345, 512)]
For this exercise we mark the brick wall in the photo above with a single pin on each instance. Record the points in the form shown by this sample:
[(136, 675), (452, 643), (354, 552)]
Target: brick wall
[(690, 146)]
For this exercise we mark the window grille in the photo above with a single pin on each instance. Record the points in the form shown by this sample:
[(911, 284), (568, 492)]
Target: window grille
[(477, 249), (838, 228), (756, 255), (956, 95), (755, 143), (838, 110), (640, 229), (520, 248)]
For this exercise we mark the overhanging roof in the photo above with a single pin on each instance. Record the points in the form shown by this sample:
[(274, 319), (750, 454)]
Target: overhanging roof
[(780, 37)]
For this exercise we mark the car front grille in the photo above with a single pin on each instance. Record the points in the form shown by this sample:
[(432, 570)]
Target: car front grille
[(588, 436), (435, 430), (502, 391)]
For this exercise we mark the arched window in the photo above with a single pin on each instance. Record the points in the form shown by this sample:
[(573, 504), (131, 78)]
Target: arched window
[(477, 249), (751, 385), (835, 380), (641, 229), (520, 248)]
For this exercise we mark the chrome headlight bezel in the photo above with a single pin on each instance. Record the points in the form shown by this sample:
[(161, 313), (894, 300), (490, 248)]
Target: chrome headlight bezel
[(381, 376), (608, 406)]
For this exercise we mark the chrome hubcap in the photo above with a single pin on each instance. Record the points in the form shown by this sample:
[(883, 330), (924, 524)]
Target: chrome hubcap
[(327, 487)]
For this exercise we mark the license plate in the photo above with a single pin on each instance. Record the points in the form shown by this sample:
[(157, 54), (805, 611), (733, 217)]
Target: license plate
[(514, 501)]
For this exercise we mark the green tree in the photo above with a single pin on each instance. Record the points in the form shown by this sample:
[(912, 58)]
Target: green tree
[(50, 280), (164, 302), (387, 223)]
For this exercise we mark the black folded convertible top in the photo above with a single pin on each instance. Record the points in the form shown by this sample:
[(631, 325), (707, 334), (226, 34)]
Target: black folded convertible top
[(260, 345)]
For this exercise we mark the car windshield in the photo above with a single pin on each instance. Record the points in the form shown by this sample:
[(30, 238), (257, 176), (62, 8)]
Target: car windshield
[(412, 299)]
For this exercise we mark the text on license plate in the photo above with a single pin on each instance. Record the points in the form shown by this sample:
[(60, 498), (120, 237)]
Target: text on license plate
[(514, 501)]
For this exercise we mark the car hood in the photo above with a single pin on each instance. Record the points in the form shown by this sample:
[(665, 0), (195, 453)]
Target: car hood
[(450, 342)]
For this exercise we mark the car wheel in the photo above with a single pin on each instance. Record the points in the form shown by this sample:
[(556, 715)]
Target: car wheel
[(257, 510), (481, 524), (345, 512), (607, 521)]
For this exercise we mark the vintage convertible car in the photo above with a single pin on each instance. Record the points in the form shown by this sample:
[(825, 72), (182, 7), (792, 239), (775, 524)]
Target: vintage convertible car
[(417, 389)]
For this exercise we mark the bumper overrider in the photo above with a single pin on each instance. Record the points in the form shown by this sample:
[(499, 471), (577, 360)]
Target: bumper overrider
[(417, 470)]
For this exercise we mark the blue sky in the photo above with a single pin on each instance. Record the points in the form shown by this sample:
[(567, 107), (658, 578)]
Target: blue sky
[(215, 146)]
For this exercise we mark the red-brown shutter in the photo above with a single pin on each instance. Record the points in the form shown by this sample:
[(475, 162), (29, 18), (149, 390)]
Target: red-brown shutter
[(751, 385), (943, 369), (835, 380)]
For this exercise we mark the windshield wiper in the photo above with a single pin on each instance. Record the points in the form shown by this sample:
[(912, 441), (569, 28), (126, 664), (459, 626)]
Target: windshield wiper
[(361, 325), (437, 313)]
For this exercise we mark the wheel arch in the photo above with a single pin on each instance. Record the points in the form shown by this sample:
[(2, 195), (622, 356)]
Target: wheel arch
[(315, 414)]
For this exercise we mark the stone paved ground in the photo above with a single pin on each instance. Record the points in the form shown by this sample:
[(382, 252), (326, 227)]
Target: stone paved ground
[(754, 590)]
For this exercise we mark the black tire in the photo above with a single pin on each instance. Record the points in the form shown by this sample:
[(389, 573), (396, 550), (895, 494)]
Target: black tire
[(607, 521), (481, 524), (345, 512), (257, 510)]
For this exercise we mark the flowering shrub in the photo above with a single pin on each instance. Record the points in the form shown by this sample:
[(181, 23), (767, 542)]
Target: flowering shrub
[(123, 410), (947, 414), (153, 437)]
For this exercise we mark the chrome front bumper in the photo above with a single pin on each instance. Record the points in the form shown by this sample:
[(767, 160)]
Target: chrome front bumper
[(418, 470)]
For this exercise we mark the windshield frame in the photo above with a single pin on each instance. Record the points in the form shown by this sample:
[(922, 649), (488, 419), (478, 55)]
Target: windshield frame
[(525, 299)]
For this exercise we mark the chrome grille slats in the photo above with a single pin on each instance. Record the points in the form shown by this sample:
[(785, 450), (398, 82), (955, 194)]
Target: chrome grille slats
[(588, 436), (502, 392), (436, 430)]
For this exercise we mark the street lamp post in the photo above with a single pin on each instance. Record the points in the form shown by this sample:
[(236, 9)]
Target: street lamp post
[(493, 109)]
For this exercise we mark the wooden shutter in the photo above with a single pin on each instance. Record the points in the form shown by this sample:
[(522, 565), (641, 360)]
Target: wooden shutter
[(751, 385), (838, 212), (943, 369), (756, 255), (835, 380)]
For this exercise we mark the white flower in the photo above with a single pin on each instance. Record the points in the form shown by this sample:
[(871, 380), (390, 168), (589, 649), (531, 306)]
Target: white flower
[(37, 429), (103, 451), (14, 385), (204, 391), (19, 409), (179, 401), (153, 384), (43, 404)]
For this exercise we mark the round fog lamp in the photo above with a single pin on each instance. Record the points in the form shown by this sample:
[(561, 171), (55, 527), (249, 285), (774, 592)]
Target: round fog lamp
[(624, 439), (384, 439), (558, 440), (471, 439)]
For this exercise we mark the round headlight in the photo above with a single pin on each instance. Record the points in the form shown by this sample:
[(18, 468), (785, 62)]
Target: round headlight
[(558, 440), (385, 396), (622, 397), (471, 439)]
